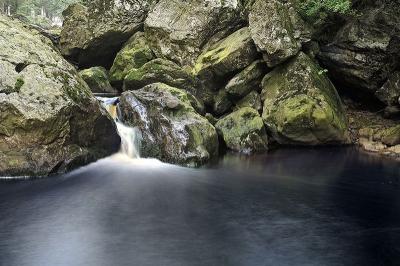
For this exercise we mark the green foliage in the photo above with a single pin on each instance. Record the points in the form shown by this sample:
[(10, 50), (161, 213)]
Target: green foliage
[(323, 11), (18, 84)]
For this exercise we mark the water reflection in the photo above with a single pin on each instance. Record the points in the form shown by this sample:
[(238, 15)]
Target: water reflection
[(327, 206)]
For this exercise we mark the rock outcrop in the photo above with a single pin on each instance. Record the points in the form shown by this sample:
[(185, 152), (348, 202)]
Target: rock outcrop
[(180, 30), (243, 131), (172, 130), (365, 51), (301, 106), (93, 35), (49, 121)]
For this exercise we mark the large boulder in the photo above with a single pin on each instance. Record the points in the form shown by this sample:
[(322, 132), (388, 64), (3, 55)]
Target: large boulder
[(219, 63), (133, 55), (365, 51), (301, 105), (93, 35), (49, 120), (180, 30), (172, 130), (97, 79), (277, 30), (243, 131)]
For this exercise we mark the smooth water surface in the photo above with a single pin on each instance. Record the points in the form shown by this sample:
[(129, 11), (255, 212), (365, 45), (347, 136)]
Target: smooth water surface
[(328, 206)]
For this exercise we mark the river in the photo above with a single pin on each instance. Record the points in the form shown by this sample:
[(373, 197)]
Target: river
[(322, 206)]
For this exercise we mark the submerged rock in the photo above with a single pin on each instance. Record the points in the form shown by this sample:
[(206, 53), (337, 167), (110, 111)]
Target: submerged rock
[(180, 30), (301, 106), (277, 30), (172, 130), (93, 35), (243, 131), (97, 79), (49, 121)]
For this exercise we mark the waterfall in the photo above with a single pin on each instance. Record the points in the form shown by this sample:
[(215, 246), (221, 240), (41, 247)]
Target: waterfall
[(130, 136)]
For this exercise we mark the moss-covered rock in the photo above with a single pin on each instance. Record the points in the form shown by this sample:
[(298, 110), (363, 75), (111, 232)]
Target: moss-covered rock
[(97, 79), (391, 136), (133, 55), (160, 70), (180, 30), (172, 130), (277, 30), (252, 100), (301, 106), (247, 80), (243, 131), (222, 103), (93, 35), (219, 63), (49, 120)]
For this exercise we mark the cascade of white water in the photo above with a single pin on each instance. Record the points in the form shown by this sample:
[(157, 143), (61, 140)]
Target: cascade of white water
[(130, 136)]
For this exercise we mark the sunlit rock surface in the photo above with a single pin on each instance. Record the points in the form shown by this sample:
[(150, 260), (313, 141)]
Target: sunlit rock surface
[(49, 121), (172, 130), (302, 106)]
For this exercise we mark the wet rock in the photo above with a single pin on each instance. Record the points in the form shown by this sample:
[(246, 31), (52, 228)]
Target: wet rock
[(133, 55), (302, 107), (49, 120), (243, 131), (97, 79), (179, 30), (93, 35), (365, 51), (247, 80), (277, 30), (217, 65), (172, 130)]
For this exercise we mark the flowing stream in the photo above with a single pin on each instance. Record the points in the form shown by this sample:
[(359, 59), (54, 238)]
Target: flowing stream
[(325, 206)]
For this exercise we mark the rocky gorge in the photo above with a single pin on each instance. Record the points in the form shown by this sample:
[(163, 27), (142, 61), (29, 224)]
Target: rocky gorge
[(195, 78)]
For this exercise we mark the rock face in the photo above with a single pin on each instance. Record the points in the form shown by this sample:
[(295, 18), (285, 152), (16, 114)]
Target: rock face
[(93, 35), (302, 107), (133, 55), (243, 131), (97, 79), (49, 121), (365, 51), (180, 30), (233, 53), (277, 30), (172, 130)]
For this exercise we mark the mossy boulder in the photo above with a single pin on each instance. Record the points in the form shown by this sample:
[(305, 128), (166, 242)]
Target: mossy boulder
[(301, 106), (172, 130), (277, 30), (218, 64), (243, 131), (49, 120), (133, 55), (93, 35), (97, 79), (222, 103), (160, 70), (180, 30), (391, 136), (247, 80), (253, 100)]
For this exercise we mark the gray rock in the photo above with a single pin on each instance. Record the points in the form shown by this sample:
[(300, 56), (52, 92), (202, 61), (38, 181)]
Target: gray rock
[(93, 35), (49, 120), (277, 30), (179, 30), (302, 107), (172, 130), (243, 131), (390, 91)]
